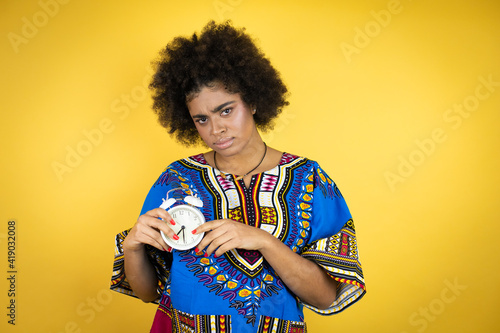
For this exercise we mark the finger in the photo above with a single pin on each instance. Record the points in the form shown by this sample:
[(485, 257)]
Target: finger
[(210, 236), (208, 226), (218, 244), (159, 243), (157, 224), (227, 246), (149, 227), (147, 236), (227, 232), (159, 213), (167, 232)]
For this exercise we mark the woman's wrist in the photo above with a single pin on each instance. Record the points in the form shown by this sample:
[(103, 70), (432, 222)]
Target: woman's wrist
[(133, 248), (268, 242)]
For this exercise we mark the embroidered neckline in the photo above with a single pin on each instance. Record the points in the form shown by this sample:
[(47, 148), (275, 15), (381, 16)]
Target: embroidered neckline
[(285, 158)]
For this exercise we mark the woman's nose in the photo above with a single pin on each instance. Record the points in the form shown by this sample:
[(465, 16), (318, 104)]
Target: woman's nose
[(218, 127)]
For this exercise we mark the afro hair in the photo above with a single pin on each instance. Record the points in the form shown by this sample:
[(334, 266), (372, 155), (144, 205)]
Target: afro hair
[(220, 54)]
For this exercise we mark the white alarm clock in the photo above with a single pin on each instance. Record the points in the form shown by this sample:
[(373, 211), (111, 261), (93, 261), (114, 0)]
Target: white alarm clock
[(187, 217)]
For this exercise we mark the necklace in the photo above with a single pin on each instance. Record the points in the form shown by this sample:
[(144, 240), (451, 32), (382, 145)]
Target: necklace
[(223, 175)]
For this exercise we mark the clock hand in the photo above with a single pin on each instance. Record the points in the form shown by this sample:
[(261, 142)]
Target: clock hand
[(183, 235), (182, 228)]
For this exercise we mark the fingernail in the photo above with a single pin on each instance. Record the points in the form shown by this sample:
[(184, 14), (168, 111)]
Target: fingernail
[(172, 222), (193, 232), (215, 256), (206, 254), (175, 237), (196, 250)]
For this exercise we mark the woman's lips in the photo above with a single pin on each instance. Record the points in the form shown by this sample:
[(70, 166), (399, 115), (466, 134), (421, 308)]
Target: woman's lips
[(224, 143)]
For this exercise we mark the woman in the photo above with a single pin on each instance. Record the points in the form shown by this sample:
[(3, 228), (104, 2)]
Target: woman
[(279, 234)]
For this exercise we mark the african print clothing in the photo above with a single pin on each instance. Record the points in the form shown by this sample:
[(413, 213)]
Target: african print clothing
[(297, 203)]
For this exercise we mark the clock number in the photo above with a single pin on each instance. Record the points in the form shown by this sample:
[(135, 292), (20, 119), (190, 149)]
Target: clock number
[(187, 219)]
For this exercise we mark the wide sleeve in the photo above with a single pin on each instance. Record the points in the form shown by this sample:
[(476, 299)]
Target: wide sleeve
[(333, 244), (161, 260)]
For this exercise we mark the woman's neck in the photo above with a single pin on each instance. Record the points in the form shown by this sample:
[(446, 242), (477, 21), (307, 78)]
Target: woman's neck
[(243, 163)]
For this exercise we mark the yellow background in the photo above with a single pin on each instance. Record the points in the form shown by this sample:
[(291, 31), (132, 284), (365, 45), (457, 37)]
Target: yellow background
[(428, 240)]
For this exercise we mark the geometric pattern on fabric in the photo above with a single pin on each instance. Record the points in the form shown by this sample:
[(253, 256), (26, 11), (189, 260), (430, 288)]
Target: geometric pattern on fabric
[(241, 282), (235, 214), (185, 322), (268, 215), (338, 255), (161, 261), (268, 325), (189, 323), (297, 203)]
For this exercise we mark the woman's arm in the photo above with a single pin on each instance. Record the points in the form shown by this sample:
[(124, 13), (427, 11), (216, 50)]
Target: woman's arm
[(139, 270), (140, 274), (303, 277)]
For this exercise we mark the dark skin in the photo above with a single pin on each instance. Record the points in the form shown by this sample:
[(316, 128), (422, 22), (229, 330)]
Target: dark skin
[(231, 132)]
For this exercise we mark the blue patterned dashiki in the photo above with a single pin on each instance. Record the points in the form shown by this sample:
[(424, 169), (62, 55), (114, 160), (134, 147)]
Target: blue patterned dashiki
[(239, 292)]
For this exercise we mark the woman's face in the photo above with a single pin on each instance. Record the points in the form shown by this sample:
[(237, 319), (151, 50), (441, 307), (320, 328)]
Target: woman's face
[(223, 120)]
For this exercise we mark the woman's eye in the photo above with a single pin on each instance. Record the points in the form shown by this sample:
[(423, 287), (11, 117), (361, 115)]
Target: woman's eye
[(225, 112), (201, 120)]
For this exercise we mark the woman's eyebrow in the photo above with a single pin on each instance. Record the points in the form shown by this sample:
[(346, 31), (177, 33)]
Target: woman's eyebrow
[(217, 109), (223, 105)]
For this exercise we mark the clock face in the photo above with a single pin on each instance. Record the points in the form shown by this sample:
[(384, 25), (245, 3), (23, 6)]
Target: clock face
[(187, 218)]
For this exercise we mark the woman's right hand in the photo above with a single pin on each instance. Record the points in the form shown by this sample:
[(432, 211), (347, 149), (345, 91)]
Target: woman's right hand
[(147, 231)]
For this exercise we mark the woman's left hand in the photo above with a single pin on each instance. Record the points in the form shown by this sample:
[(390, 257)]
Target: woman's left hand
[(224, 235), (303, 277)]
